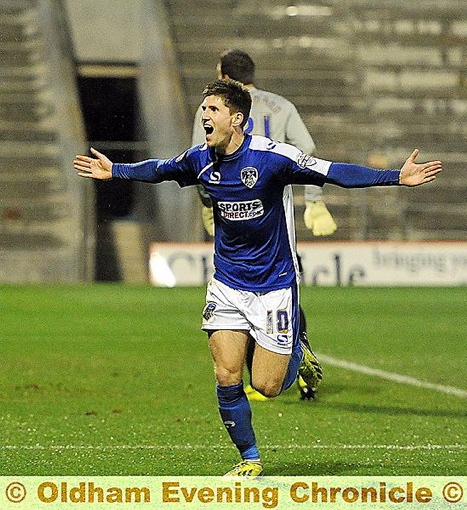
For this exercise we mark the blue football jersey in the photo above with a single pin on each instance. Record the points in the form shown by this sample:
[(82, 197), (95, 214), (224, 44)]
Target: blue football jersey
[(251, 192)]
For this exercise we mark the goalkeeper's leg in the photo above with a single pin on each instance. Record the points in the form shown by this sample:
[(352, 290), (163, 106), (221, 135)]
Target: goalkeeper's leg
[(310, 373), (206, 213), (251, 393)]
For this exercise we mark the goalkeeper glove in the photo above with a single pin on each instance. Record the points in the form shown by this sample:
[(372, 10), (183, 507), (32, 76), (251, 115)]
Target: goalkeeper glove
[(318, 219), (208, 220)]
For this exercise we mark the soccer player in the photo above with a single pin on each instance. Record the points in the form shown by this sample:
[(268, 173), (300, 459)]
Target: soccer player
[(277, 118), (254, 289)]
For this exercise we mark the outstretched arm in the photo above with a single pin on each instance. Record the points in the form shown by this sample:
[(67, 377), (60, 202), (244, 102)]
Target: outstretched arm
[(411, 174), (98, 168), (414, 174)]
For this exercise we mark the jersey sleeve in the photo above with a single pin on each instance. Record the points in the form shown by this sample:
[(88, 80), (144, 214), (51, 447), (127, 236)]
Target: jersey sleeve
[(177, 169), (354, 176), (305, 169), (313, 193), (296, 133)]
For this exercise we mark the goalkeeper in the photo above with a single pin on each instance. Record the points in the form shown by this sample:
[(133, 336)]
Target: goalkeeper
[(277, 118)]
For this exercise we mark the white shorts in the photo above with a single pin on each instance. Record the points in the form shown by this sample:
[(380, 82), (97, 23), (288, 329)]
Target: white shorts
[(271, 317)]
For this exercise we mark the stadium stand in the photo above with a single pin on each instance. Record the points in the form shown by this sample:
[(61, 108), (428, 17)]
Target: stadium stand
[(372, 81), (45, 228)]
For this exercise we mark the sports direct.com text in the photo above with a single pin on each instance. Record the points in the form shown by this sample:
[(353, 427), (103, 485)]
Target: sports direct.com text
[(215, 492)]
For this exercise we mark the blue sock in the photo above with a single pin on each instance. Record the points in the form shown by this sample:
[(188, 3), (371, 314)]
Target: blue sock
[(235, 412)]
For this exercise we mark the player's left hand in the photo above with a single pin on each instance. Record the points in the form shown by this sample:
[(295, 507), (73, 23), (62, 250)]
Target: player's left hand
[(318, 219), (414, 174), (98, 168)]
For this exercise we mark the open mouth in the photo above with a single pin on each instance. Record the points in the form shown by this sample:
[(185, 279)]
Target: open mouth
[(208, 129)]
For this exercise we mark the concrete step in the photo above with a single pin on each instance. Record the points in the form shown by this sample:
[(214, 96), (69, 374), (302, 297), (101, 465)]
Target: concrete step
[(14, 212), (26, 241), (26, 132), (27, 188)]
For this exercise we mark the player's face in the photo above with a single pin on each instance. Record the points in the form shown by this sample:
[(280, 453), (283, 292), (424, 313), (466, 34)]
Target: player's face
[(218, 123)]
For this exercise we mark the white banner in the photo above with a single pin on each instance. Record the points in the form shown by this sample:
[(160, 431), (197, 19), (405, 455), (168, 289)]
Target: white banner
[(368, 263)]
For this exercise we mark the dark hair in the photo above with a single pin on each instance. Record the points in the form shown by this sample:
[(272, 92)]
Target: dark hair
[(238, 65), (235, 96)]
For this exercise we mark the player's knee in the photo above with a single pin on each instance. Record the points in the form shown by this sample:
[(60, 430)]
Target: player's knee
[(227, 377), (269, 389)]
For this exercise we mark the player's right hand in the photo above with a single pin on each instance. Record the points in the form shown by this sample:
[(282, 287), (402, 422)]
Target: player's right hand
[(96, 168), (208, 220)]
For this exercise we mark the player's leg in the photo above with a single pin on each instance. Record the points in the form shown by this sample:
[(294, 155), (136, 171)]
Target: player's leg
[(274, 317), (308, 389), (228, 336), (228, 350), (269, 371), (251, 393)]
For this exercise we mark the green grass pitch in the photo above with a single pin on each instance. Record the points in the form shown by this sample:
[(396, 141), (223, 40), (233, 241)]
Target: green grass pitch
[(108, 379)]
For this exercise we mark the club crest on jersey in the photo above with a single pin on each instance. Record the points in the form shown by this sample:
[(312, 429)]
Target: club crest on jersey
[(249, 176), (305, 160), (208, 311)]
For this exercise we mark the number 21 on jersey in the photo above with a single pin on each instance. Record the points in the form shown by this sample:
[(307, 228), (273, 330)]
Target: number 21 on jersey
[(250, 126)]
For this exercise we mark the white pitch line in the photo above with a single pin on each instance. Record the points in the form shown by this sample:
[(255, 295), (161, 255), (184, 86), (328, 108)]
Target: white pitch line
[(451, 447), (391, 376)]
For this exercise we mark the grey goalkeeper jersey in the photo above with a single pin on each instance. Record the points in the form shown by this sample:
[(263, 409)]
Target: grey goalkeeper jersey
[(277, 118)]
